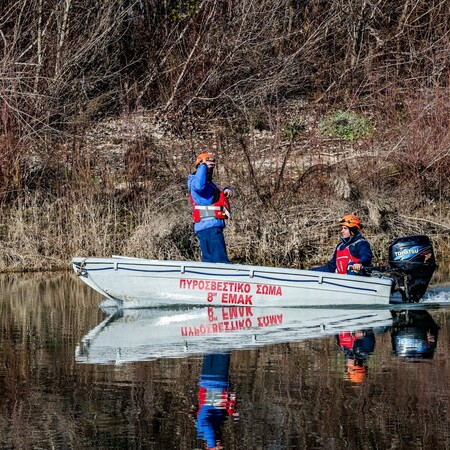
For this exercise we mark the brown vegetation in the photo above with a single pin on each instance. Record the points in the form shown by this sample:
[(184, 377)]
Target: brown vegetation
[(314, 109)]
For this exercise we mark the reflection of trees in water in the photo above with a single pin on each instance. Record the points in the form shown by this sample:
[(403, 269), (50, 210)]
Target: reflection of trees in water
[(38, 314), (292, 394)]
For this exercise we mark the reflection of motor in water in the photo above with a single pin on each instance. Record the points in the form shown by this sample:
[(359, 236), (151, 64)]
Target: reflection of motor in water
[(357, 346), (414, 334), (215, 401)]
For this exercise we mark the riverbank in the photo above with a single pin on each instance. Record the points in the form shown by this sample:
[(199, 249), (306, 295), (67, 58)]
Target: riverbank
[(125, 193)]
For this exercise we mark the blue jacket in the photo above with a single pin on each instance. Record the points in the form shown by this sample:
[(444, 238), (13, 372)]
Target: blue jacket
[(202, 192), (360, 250)]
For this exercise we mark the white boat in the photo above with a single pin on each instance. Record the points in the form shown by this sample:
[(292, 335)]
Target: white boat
[(143, 283), (147, 334)]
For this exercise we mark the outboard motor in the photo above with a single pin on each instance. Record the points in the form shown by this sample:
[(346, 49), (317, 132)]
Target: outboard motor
[(412, 263)]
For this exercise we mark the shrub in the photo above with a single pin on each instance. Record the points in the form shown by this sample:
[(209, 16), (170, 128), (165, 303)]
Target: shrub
[(293, 130), (346, 125)]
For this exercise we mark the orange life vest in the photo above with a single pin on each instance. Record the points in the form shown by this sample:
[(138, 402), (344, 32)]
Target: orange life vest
[(218, 210), (344, 257)]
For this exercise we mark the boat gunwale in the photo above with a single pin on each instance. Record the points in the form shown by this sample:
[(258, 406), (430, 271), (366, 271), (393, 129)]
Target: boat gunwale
[(233, 268)]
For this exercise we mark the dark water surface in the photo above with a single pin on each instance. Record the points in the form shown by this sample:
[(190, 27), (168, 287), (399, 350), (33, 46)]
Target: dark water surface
[(375, 382)]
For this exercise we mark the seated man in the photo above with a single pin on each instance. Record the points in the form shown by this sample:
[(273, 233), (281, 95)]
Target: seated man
[(353, 253)]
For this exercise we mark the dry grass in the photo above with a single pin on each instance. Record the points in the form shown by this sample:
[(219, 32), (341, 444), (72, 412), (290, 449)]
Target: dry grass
[(45, 235)]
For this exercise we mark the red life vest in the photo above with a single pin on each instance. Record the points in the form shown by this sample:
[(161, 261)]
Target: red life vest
[(220, 398), (344, 257), (218, 210), (346, 339)]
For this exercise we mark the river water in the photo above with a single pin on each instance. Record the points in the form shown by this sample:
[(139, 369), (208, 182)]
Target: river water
[(73, 377)]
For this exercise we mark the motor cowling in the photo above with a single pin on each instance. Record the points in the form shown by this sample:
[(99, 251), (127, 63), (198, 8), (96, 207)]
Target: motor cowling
[(412, 264)]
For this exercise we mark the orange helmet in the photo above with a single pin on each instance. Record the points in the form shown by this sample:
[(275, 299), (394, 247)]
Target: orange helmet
[(203, 157), (351, 221), (356, 373)]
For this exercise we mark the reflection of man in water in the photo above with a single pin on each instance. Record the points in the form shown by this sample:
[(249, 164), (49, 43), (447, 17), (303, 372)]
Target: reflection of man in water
[(357, 346), (215, 401)]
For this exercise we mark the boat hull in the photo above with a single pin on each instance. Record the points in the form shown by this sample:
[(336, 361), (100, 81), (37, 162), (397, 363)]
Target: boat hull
[(141, 283)]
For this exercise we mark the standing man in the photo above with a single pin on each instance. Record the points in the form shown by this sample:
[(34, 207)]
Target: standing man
[(210, 209)]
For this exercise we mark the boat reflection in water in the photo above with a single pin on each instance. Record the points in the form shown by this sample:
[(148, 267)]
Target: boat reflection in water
[(146, 334)]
